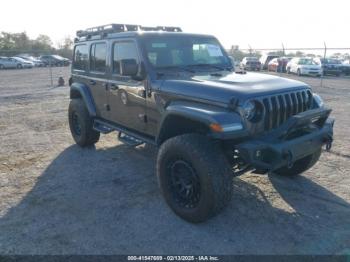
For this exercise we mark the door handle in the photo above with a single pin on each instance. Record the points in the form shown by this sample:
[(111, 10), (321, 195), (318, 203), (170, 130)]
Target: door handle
[(92, 82), (114, 87)]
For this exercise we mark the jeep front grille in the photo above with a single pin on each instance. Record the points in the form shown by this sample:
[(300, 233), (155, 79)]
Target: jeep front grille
[(280, 108)]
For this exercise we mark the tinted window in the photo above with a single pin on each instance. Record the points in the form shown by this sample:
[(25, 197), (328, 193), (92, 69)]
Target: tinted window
[(123, 50), (184, 51), (98, 57), (80, 57)]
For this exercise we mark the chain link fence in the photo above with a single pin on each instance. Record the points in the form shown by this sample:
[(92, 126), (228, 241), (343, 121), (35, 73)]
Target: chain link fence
[(43, 62)]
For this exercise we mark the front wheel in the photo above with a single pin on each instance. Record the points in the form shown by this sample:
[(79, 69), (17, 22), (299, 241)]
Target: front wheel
[(81, 124), (300, 165), (194, 176)]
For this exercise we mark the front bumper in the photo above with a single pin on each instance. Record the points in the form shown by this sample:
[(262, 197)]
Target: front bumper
[(311, 72), (300, 136)]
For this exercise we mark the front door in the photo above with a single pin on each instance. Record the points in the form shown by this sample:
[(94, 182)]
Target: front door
[(127, 99)]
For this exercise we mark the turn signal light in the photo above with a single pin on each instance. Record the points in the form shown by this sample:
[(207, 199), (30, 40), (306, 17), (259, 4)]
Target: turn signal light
[(216, 127)]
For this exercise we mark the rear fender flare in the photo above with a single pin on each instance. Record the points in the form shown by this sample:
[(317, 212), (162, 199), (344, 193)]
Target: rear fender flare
[(78, 90)]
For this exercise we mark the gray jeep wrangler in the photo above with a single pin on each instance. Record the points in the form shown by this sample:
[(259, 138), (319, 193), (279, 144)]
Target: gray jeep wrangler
[(179, 91)]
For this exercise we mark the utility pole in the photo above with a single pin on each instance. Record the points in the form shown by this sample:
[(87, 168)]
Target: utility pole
[(324, 57)]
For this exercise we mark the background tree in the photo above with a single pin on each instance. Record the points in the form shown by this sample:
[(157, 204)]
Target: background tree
[(19, 43), (65, 47)]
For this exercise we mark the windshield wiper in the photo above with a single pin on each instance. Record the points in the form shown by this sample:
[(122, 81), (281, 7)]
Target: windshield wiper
[(176, 67), (212, 66)]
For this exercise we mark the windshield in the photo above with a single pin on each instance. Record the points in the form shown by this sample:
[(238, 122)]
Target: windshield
[(184, 50), (19, 59), (252, 58), (305, 61), (57, 57)]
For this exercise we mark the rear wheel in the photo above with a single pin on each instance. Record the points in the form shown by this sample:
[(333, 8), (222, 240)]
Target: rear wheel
[(194, 176), (81, 124), (300, 165)]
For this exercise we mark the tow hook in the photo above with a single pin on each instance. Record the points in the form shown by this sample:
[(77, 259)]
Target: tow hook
[(328, 140), (288, 156)]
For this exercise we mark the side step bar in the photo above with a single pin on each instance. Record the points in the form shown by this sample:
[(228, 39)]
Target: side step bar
[(102, 128), (129, 140), (125, 135)]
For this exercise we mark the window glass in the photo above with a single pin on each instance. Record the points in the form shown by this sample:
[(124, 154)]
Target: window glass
[(123, 50), (80, 57), (184, 51), (98, 57), (306, 61)]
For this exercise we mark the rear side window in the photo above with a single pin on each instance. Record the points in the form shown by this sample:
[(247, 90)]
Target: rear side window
[(123, 50), (98, 57), (80, 57)]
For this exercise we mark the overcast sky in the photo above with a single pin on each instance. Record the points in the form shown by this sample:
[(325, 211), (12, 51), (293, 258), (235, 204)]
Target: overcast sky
[(258, 23)]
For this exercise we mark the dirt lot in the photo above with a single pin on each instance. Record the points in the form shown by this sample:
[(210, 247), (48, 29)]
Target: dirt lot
[(56, 198)]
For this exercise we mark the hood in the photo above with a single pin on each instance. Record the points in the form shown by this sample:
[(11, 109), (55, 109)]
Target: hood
[(223, 88)]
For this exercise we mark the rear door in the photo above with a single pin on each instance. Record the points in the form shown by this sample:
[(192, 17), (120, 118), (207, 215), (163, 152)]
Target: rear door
[(127, 96), (98, 77), (12, 63)]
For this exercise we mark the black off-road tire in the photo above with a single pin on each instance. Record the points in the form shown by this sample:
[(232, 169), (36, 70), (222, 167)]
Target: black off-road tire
[(81, 124), (209, 165), (300, 165)]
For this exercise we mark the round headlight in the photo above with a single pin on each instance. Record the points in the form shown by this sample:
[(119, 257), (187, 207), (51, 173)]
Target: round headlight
[(318, 100), (249, 110)]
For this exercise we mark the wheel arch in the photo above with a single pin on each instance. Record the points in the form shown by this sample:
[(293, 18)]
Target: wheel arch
[(78, 90), (192, 117), (175, 124)]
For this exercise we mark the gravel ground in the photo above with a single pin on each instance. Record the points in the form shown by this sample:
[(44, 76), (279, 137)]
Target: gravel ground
[(56, 198)]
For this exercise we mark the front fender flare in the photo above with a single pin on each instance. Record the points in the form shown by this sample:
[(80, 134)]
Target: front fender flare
[(206, 115)]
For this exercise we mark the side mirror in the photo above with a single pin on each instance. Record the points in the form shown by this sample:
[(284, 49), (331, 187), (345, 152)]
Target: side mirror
[(128, 67)]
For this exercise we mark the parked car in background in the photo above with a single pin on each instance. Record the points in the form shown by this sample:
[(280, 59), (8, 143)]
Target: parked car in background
[(36, 62), (25, 63), (304, 66), (278, 64), (54, 60), (7, 63), (250, 63), (265, 59), (330, 66), (346, 67), (14, 62)]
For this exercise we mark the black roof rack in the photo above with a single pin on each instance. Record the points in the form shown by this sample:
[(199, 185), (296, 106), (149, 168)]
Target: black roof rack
[(103, 30)]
